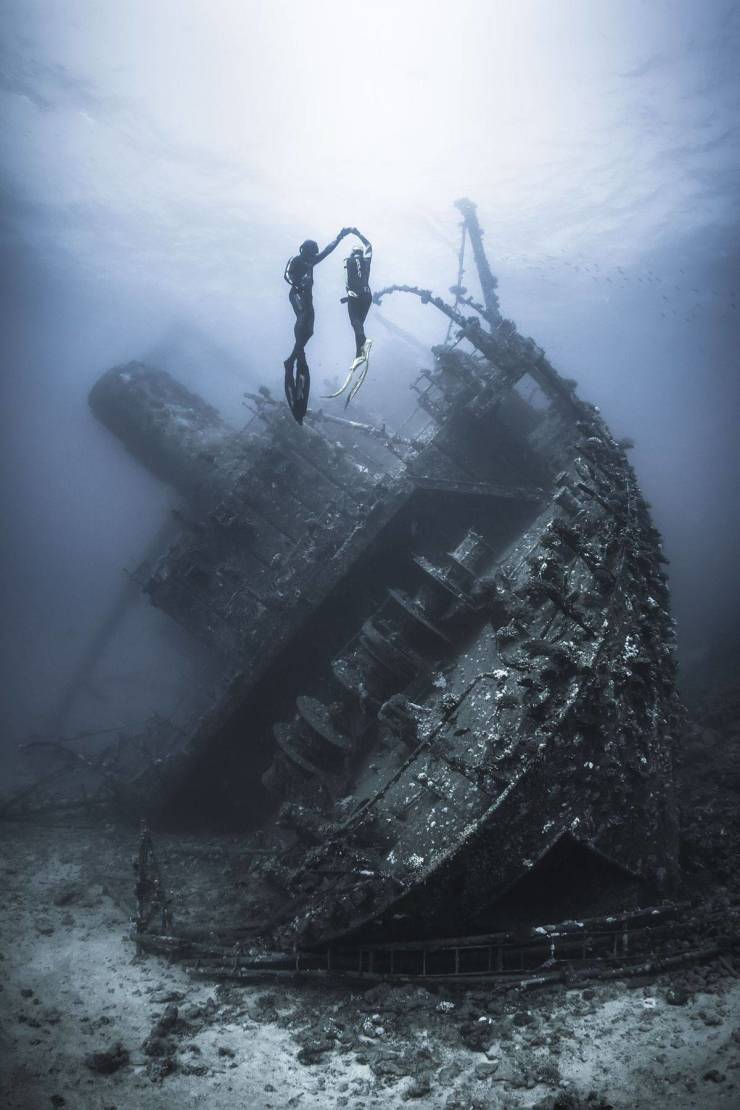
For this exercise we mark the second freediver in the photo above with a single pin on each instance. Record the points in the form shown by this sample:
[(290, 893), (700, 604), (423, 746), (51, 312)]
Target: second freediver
[(358, 301)]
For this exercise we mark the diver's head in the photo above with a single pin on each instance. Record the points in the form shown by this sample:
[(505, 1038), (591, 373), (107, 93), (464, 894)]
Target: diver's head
[(356, 252), (310, 248)]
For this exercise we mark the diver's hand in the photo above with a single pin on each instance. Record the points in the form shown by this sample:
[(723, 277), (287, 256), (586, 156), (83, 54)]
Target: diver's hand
[(345, 231)]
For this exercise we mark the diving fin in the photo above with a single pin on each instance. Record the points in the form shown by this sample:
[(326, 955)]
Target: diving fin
[(346, 381), (361, 359), (297, 385), (360, 380)]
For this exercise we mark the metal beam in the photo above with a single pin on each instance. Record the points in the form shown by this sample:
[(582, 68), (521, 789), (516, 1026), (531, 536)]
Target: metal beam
[(478, 489)]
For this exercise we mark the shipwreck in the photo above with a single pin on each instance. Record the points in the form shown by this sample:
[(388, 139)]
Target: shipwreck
[(451, 706)]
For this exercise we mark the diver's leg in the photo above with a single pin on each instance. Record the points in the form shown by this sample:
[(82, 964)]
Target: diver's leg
[(289, 363), (363, 307), (358, 314), (297, 378), (303, 327), (298, 306), (302, 376), (356, 320), (308, 322)]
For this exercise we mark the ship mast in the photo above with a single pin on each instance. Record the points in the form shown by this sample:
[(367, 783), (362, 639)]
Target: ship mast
[(488, 282), (503, 345), (458, 289)]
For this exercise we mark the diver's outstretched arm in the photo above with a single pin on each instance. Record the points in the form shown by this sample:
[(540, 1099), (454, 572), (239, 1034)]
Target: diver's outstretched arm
[(360, 235), (334, 243), (365, 242)]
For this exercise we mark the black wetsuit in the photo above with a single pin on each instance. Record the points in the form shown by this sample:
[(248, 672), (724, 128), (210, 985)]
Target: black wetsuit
[(359, 298), (299, 275)]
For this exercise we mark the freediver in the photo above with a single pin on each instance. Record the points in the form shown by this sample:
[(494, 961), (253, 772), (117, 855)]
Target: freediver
[(299, 275), (359, 298), (358, 301)]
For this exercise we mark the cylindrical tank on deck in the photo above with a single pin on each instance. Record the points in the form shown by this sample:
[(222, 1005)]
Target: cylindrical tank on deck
[(173, 432)]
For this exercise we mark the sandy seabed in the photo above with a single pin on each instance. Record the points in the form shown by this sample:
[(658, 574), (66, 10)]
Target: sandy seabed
[(87, 1023)]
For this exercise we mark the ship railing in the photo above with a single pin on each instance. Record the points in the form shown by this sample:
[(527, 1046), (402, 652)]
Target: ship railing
[(645, 941)]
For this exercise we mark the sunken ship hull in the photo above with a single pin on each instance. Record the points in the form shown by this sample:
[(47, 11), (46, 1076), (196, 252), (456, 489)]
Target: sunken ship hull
[(451, 703)]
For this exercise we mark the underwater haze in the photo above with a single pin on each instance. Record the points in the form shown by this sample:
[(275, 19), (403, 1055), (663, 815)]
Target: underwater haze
[(161, 160)]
